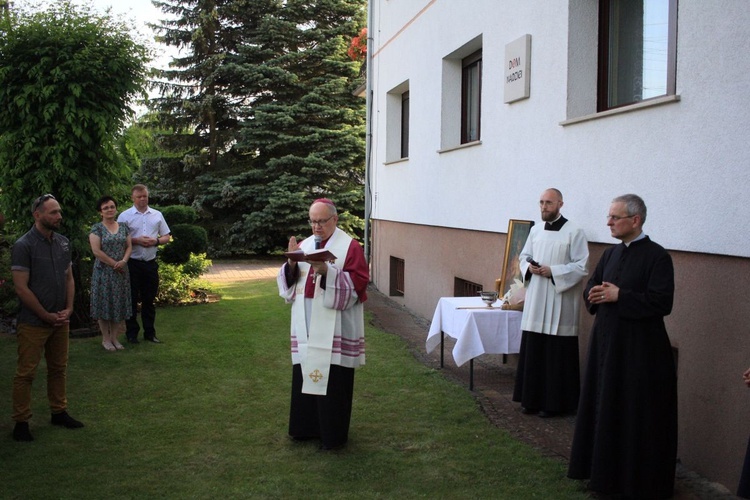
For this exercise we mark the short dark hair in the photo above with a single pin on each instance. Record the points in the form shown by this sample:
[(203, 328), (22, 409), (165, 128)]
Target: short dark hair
[(104, 199), (40, 201), (634, 204)]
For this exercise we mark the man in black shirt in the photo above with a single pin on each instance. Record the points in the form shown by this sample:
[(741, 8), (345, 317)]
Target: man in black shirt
[(43, 281)]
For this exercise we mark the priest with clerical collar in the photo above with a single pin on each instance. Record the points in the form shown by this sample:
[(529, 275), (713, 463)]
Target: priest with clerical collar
[(327, 331), (625, 439), (553, 263)]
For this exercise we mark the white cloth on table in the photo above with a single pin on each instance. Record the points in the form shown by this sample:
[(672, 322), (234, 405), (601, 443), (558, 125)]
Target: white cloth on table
[(479, 330)]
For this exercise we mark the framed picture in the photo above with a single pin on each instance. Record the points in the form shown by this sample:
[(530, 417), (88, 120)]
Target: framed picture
[(518, 231)]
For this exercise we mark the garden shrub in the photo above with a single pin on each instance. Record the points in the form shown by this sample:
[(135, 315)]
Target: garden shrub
[(186, 239), (178, 282), (8, 299), (179, 214)]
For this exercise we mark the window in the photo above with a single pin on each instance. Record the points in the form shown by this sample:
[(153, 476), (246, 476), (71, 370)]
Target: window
[(637, 51), (397, 277), (471, 94), (460, 113), (405, 124), (397, 123), (465, 288)]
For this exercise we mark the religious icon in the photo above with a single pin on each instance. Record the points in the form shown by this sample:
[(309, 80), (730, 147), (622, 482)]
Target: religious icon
[(518, 231)]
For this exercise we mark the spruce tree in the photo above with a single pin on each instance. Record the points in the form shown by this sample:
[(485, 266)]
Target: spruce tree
[(199, 106), (265, 120), (307, 128)]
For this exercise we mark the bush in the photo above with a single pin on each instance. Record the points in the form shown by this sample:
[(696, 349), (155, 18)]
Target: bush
[(8, 299), (186, 239), (196, 265), (178, 282), (179, 214)]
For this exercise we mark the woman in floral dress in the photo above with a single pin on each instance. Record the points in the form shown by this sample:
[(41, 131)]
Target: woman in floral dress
[(110, 282)]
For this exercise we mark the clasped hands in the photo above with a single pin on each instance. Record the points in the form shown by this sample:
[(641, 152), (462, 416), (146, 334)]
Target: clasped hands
[(543, 271), (606, 292), (59, 318), (146, 241)]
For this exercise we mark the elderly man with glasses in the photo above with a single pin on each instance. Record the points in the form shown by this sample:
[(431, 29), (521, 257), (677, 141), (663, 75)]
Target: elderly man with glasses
[(625, 438), (43, 281), (327, 332)]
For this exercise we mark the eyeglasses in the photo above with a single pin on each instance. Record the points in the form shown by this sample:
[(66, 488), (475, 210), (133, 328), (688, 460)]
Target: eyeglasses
[(39, 201), (320, 223), (615, 218)]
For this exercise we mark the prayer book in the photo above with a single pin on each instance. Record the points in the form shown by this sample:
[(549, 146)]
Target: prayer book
[(320, 255)]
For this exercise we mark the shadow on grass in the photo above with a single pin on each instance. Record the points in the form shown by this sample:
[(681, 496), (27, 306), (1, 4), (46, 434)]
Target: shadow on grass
[(204, 415)]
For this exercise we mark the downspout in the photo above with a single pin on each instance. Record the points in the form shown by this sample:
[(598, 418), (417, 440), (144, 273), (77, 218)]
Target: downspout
[(368, 129)]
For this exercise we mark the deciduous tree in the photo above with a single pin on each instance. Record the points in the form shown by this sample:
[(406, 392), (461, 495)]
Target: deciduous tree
[(67, 78)]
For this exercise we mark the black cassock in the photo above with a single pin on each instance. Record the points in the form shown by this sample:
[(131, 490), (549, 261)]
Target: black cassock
[(625, 437)]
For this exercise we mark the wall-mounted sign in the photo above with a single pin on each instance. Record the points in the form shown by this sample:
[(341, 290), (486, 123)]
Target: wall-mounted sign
[(517, 67)]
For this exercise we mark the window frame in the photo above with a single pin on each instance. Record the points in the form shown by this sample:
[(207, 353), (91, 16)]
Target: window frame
[(603, 72), (397, 277), (405, 105), (471, 119)]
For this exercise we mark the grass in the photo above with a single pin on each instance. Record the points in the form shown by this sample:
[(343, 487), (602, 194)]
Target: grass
[(204, 415)]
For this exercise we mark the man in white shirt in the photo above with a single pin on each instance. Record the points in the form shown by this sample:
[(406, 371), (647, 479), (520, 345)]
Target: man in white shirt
[(148, 230)]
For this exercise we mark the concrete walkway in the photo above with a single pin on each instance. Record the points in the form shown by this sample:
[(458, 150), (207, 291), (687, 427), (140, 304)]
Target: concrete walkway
[(224, 271), (493, 381)]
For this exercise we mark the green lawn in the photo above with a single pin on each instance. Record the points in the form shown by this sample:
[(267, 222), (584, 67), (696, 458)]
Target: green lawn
[(204, 415)]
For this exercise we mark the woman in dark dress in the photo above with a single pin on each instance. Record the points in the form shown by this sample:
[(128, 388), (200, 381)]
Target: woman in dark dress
[(110, 281)]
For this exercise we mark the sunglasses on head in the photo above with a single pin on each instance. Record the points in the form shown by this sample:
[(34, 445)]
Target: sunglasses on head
[(38, 202)]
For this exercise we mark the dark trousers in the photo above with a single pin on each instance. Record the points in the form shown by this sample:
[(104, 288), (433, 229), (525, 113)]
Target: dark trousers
[(743, 491), (144, 284), (326, 417), (548, 377)]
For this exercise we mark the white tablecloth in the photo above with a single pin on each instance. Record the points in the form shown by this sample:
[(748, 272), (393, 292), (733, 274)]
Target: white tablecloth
[(478, 330)]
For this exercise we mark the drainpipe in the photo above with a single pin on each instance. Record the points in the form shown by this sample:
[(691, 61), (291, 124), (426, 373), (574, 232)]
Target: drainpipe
[(368, 129)]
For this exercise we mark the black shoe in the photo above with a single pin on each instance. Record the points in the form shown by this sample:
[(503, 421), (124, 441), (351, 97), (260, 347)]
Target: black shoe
[(154, 340), (529, 411), (324, 447), (548, 414), (21, 432), (302, 439), (133, 340), (65, 420)]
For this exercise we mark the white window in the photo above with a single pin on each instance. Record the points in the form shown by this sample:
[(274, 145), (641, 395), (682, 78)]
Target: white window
[(461, 100), (636, 51), (620, 52), (471, 97), (397, 123)]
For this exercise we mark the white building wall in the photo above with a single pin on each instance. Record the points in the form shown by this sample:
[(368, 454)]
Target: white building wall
[(687, 159)]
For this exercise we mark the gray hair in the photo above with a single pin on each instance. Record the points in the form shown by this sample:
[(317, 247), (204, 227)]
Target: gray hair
[(634, 205)]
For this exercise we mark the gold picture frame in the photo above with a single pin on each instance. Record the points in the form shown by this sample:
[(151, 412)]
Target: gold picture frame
[(518, 232)]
